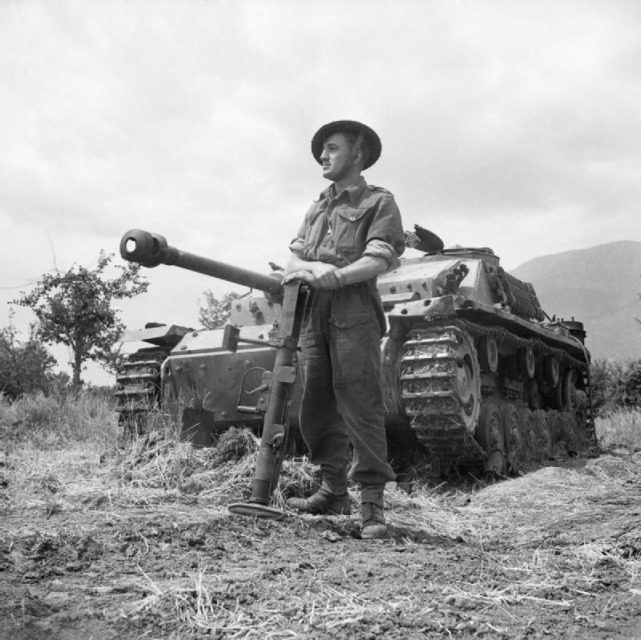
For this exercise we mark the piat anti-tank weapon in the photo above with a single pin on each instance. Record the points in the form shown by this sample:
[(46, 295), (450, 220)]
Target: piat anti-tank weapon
[(151, 250)]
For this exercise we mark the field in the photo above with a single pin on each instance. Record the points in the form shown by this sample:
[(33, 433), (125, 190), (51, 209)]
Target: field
[(100, 545)]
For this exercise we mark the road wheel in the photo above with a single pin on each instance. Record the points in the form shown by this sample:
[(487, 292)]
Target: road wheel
[(552, 370), (488, 354), (527, 362), (543, 437), (514, 439), (491, 436)]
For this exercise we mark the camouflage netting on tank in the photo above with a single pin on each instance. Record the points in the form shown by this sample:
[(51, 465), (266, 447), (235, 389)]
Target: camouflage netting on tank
[(519, 296)]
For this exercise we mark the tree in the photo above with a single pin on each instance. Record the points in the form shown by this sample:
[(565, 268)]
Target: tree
[(24, 366), (216, 312), (75, 309)]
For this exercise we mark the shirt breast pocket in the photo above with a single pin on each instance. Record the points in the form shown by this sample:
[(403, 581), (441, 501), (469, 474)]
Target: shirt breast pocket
[(351, 231)]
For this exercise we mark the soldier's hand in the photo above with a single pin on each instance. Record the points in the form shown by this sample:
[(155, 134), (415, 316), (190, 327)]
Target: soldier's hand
[(302, 275), (319, 268), (326, 279)]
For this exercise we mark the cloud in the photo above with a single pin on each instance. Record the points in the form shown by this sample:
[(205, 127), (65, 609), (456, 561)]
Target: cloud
[(509, 125)]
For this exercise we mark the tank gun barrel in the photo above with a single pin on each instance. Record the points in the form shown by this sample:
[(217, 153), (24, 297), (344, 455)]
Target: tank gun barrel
[(151, 249)]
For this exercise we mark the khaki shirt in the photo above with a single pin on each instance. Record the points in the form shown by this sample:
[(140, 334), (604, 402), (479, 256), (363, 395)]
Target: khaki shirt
[(363, 220)]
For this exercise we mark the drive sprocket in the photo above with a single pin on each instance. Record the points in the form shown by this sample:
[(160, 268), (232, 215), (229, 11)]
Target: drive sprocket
[(441, 390)]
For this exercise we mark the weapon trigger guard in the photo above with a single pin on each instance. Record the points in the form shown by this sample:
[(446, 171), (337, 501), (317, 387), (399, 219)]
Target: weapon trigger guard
[(289, 343), (262, 387)]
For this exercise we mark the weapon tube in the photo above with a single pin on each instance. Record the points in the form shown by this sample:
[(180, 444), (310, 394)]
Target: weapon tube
[(273, 441), (151, 249)]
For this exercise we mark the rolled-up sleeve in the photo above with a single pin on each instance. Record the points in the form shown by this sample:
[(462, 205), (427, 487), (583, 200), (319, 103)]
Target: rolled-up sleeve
[(381, 249), (385, 236), (297, 245)]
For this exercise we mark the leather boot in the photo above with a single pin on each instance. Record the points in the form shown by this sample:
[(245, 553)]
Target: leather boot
[(323, 502), (372, 514), (331, 498)]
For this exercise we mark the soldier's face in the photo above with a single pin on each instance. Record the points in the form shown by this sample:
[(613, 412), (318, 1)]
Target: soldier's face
[(336, 158)]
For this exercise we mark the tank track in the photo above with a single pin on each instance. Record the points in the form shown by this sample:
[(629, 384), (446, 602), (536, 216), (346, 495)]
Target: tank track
[(430, 380), (138, 389), (461, 416)]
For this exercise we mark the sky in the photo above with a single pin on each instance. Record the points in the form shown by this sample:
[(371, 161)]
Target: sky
[(514, 125)]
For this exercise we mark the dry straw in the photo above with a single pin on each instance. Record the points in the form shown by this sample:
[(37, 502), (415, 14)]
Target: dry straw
[(538, 532)]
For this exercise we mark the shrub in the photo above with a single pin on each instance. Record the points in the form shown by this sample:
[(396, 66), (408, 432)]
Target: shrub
[(25, 367), (631, 396), (55, 421), (615, 385)]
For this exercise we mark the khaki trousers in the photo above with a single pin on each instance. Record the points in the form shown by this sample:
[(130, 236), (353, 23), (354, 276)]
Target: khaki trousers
[(342, 401)]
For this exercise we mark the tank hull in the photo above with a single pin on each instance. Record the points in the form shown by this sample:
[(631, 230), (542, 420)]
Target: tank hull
[(471, 364)]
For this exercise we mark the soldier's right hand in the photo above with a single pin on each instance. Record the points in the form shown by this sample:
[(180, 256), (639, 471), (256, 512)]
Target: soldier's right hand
[(302, 275), (317, 274), (320, 269)]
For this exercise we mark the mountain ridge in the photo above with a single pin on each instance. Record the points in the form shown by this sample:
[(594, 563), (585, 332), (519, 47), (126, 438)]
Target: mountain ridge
[(598, 286)]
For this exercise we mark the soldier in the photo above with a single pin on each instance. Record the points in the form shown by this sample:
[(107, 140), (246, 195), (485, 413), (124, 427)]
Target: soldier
[(352, 233)]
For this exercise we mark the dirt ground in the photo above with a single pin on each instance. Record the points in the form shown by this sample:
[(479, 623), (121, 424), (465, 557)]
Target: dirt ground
[(86, 553)]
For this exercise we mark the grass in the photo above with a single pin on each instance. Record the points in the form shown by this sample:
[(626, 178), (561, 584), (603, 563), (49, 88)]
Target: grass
[(84, 427), (39, 421), (620, 428), (53, 422)]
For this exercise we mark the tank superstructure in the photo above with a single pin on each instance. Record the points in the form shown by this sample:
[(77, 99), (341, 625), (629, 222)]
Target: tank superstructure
[(471, 364), (195, 378)]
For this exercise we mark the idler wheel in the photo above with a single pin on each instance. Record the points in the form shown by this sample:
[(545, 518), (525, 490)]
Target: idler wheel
[(488, 354), (514, 439)]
